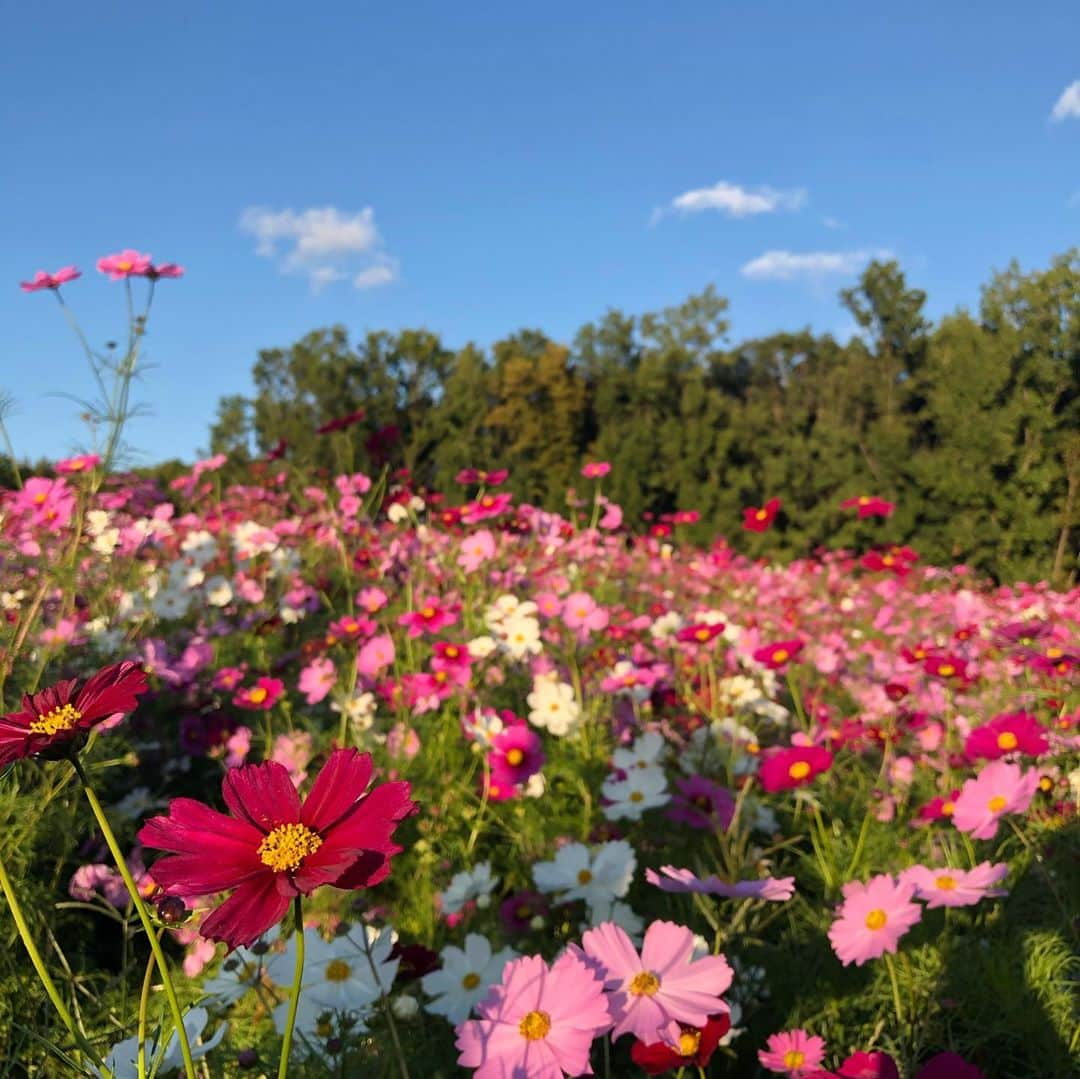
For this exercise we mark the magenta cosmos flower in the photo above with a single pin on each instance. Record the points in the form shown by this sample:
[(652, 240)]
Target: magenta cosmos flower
[(50, 721), (654, 992), (774, 889), (956, 887), (792, 1052), (701, 803), (1014, 732), (539, 1022), (796, 766), (872, 919), (42, 280), (998, 789), (274, 847), (126, 263)]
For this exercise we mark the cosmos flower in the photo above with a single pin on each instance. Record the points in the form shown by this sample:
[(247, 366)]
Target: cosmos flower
[(759, 520), (872, 919), (869, 506), (774, 889), (1012, 732), (796, 766), (42, 280), (273, 846), (50, 722), (465, 977), (126, 263), (793, 1052), (998, 789), (694, 1047), (950, 887)]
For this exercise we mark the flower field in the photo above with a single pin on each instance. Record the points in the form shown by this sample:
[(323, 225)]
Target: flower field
[(546, 796)]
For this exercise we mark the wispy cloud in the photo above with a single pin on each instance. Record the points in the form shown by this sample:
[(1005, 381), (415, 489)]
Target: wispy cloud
[(1068, 105), (733, 200), (323, 244), (788, 265)]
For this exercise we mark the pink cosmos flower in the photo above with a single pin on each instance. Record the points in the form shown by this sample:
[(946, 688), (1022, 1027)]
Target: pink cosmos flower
[(1013, 732), (85, 462), (998, 789), (294, 752), (869, 506), (49, 503), (792, 1052), (582, 613), (486, 507), (774, 656), (42, 280), (260, 697), (430, 616), (872, 919), (774, 889), (653, 993), (869, 1066), (538, 1021), (516, 753), (317, 679), (476, 550), (127, 263), (956, 887), (371, 600), (796, 766), (164, 269), (594, 470), (375, 655)]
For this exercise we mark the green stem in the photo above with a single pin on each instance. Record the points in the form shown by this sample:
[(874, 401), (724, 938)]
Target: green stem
[(144, 1007), (294, 996), (144, 917), (890, 966), (41, 970), (387, 1011)]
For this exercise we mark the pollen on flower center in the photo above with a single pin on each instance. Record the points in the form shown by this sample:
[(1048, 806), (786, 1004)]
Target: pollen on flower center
[(794, 1058), (285, 848), (689, 1042), (996, 804), (59, 719), (535, 1026), (470, 981), (799, 770), (1006, 741), (584, 876), (514, 757), (644, 984), (780, 655), (637, 796), (876, 919), (945, 883), (337, 970), (258, 695)]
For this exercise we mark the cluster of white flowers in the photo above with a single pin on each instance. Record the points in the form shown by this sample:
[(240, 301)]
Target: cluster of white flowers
[(513, 626), (638, 782), (103, 533), (553, 706)]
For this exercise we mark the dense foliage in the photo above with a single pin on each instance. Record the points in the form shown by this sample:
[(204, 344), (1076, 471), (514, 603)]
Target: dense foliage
[(971, 425)]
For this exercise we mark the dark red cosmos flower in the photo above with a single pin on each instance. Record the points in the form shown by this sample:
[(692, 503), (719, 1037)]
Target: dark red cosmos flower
[(1012, 732), (783, 769), (948, 1066), (869, 506), (776, 655), (699, 632), (759, 520), (61, 714), (869, 1066), (946, 666), (340, 423), (274, 847), (696, 1046)]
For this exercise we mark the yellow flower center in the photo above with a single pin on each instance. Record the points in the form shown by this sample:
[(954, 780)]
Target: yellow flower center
[(876, 919), (428, 612), (946, 670), (258, 695), (470, 981), (1006, 741), (946, 883), (780, 655), (40, 497), (793, 1058), (760, 515), (584, 876), (702, 634), (324, 1029), (337, 970), (996, 804), (1046, 784), (124, 264), (452, 652), (535, 1026), (637, 796), (59, 719), (799, 770), (1051, 653), (864, 500), (689, 1043), (514, 757), (948, 808), (285, 848), (644, 984)]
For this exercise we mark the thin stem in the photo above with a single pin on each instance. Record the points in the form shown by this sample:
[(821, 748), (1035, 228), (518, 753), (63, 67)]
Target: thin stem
[(294, 996), (890, 966), (144, 917), (42, 971), (144, 1007), (398, 1051)]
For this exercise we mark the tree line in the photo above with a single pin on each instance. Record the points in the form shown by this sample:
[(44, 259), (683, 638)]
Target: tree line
[(970, 425)]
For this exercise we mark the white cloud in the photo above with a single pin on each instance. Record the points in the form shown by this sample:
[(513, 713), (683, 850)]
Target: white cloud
[(1068, 105), (734, 200), (322, 243), (787, 265)]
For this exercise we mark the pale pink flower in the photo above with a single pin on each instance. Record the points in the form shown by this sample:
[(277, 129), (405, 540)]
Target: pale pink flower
[(998, 789), (956, 887), (376, 654), (126, 263), (872, 919), (317, 679), (42, 280), (371, 600), (582, 613), (476, 549), (793, 1052)]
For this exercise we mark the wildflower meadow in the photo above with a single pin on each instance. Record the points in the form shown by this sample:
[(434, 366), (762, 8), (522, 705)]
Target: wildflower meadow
[(326, 772)]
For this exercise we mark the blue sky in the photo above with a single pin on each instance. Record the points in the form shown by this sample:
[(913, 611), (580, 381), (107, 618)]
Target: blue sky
[(475, 168)]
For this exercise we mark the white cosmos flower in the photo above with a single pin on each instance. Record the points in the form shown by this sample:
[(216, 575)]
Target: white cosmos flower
[(596, 876), (200, 547), (621, 914), (553, 707), (648, 751), (642, 789), (521, 636), (474, 884), (218, 591), (465, 977), (122, 1060)]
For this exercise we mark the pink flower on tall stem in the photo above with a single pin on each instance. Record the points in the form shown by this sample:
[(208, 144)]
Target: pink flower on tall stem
[(582, 613), (956, 887), (540, 1021), (126, 263), (274, 847), (595, 470), (872, 919), (51, 720), (998, 789), (652, 993), (260, 697), (793, 1052), (430, 616), (42, 280)]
